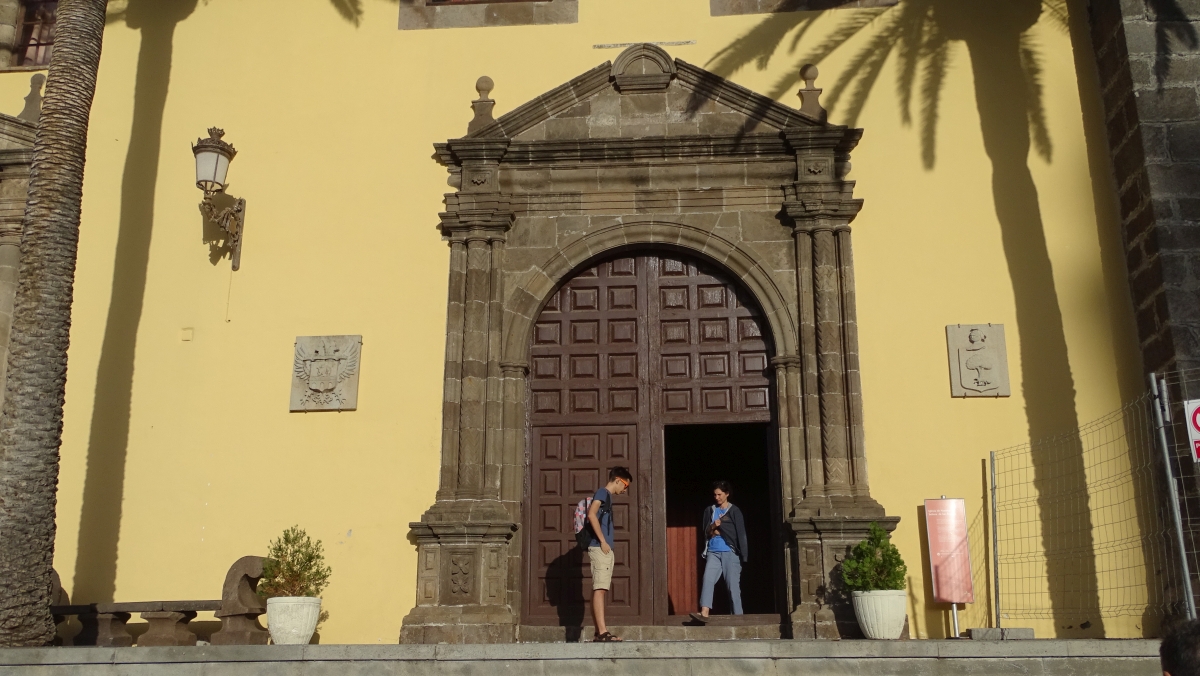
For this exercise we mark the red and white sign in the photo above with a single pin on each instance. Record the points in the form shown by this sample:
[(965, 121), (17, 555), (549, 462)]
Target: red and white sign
[(1191, 409), (949, 550)]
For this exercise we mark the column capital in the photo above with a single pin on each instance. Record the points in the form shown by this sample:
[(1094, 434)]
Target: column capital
[(477, 216), (518, 367)]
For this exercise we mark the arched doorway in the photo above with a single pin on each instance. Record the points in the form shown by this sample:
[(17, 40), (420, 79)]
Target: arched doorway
[(657, 360)]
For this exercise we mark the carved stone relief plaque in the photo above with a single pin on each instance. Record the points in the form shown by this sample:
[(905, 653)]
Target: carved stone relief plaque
[(325, 373), (978, 360)]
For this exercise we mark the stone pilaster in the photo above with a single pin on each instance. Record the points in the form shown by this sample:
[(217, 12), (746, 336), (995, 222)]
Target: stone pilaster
[(464, 541), (833, 508), (14, 188)]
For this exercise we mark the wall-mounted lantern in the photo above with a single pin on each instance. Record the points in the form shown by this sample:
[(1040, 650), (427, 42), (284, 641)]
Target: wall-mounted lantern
[(212, 167)]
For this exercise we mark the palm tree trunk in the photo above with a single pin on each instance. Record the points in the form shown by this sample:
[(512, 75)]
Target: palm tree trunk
[(31, 428)]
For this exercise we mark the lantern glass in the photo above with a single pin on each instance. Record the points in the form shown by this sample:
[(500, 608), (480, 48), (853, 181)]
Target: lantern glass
[(212, 168)]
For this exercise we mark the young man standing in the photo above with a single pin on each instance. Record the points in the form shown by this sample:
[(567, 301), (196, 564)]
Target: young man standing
[(600, 553)]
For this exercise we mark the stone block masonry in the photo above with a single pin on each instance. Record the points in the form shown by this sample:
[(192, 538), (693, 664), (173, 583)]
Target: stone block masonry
[(1148, 54)]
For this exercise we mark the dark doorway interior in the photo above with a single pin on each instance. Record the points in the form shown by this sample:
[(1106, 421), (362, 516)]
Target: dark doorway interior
[(697, 455)]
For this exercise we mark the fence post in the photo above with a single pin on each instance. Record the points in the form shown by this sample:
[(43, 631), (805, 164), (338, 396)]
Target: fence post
[(995, 540), (1155, 388)]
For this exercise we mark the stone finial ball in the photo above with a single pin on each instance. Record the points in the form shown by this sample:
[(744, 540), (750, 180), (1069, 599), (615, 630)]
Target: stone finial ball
[(484, 86), (809, 73)]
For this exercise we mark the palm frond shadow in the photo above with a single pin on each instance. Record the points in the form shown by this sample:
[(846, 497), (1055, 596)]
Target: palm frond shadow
[(912, 32), (352, 10), (1173, 26), (1007, 71)]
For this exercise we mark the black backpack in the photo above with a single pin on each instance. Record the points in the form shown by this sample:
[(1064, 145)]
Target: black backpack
[(583, 527)]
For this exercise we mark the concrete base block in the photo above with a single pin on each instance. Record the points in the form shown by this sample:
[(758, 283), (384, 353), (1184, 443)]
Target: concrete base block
[(1003, 634)]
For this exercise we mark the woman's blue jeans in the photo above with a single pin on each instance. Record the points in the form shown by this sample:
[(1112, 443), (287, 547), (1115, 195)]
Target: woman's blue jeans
[(716, 565)]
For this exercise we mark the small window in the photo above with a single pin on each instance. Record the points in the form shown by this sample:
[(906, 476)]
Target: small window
[(35, 31)]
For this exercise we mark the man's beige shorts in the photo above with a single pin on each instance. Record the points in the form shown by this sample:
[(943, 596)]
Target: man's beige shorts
[(602, 567)]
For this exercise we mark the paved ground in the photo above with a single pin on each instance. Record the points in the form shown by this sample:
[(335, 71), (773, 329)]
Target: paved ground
[(724, 658)]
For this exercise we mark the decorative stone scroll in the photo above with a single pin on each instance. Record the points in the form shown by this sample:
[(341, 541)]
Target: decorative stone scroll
[(325, 373)]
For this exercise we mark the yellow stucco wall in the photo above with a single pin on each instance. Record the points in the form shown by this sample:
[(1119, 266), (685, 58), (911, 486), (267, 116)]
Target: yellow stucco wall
[(334, 125)]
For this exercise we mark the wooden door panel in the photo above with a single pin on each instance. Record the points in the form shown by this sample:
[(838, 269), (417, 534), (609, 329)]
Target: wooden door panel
[(561, 575), (712, 359)]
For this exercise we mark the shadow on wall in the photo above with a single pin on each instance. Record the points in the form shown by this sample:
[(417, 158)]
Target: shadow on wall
[(352, 10), (1006, 69), (104, 483)]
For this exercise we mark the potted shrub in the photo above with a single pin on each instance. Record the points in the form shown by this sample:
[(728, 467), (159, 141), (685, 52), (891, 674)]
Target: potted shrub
[(294, 575), (874, 573)]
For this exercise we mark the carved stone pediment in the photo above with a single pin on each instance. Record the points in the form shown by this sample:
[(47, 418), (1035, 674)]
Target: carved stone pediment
[(645, 93)]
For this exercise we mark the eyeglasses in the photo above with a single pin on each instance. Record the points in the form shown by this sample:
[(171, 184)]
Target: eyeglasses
[(623, 482)]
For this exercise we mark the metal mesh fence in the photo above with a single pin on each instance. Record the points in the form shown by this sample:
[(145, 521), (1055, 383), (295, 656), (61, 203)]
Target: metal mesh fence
[(1083, 531), (1176, 388)]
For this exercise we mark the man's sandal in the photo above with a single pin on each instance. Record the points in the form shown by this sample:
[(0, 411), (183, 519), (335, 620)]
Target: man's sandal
[(606, 637)]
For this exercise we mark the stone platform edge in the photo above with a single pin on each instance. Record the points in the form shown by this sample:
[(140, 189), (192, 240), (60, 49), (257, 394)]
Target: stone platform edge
[(798, 650)]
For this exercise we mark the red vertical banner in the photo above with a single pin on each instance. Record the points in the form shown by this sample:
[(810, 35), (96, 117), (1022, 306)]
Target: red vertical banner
[(949, 550)]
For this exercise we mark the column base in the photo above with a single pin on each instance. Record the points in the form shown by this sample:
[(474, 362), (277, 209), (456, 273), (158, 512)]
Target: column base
[(823, 540), (459, 624), (463, 593), (814, 621)]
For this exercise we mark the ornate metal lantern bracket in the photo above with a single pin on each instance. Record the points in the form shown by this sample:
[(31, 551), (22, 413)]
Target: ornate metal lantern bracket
[(213, 156), (231, 220)]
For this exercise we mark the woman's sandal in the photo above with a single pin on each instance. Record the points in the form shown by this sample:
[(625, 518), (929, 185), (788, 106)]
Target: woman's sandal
[(606, 637)]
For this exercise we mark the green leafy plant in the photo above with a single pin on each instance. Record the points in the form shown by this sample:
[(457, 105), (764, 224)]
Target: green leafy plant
[(874, 564), (295, 566)]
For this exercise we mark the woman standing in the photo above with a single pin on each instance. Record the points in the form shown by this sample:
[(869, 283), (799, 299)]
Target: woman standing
[(724, 530)]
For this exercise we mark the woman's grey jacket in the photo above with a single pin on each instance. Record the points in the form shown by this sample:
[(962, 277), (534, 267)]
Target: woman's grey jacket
[(732, 530)]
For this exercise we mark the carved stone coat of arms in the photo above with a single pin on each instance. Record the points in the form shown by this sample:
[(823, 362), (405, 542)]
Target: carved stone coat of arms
[(325, 373), (978, 360)]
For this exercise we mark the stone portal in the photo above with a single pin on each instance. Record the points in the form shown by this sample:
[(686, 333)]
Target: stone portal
[(645, 153)]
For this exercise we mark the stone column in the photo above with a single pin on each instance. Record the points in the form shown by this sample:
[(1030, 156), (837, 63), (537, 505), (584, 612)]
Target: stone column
[(476, 331), (10, 12), (830, 361), (785, 432), (494, 442), (464, 541), (456, 300), (14, 189), (811, 482), (791, 430), (836, 509), (854, 403)]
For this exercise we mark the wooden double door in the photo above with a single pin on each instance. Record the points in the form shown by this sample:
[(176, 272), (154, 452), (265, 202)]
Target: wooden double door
[(626, 347)]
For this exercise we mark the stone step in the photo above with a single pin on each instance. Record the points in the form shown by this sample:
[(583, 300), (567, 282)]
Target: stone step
[(714, 631), (699, 658)]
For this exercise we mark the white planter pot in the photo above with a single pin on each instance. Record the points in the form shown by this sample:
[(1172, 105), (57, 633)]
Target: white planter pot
[(880, 613), (292, 619)]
